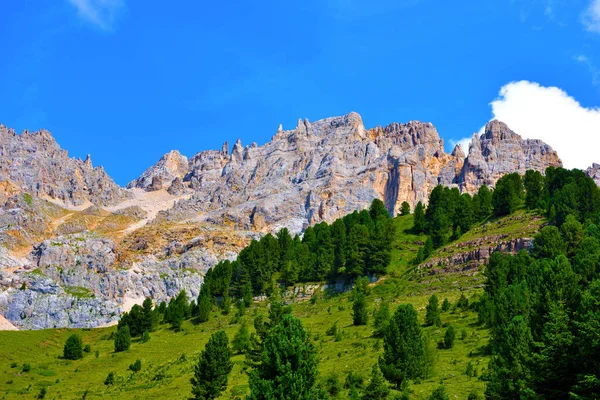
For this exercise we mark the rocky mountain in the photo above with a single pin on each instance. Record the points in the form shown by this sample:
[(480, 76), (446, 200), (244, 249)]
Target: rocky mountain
[(33, 162), (78, 249), (326, 169)]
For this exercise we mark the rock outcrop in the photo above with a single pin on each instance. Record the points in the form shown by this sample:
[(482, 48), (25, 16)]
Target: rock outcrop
[(171, 166), (33, 162), (328, 168), (499, 151)]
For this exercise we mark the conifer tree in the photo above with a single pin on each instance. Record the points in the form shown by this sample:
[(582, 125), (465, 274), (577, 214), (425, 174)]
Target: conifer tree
[(419, 223), (381, 318), (377, 388), (212, 370), (432, 312), (405, 347), (73, 349), (360, 314), (122, 339), (288, 366), (405, 208), (241, 340)]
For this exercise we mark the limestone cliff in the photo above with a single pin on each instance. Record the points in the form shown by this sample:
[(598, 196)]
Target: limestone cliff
[(33, 162)]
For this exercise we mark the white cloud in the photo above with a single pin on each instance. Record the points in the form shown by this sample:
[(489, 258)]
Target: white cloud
[(101, 13), (594, 71), (550, 114), (591, 17)]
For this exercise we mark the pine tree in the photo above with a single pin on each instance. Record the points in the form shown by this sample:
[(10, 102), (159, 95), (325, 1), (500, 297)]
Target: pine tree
[(212, 370), (439, 394), (419, 223), (122, 339), (445, 305), (381, 319), (241, 340), (534, 189), (485, 202), (405, 348), (288, 367), (205, 303), (405, 208), (432, 313), (148, 316), (360, 314), (449, 337), (73, 349), (377, 388)]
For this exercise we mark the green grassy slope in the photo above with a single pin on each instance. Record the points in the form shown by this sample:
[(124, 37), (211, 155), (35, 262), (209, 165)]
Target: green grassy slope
[(168, 358)]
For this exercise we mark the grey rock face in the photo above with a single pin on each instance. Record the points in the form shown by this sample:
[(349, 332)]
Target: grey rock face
[(35, 163), (72, 281), (594, 173), (326, 169), (170, 166), (499, 151)]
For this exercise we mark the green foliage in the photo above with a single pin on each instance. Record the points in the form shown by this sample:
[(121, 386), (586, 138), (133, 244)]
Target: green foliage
[(73, 349), (508, 194), (26, 367), (549, 243), (136, 366), (42, 393), (205, 303), (432, 313), (213, 368), (405, 347), (446, 305), (110, 379), (535, 195), (122, 339), (449, 337), (27, 198), (377, 388), (439, 394), (87, 348), (420, 224), (360, 314), (139, 319), (404, 208), (241, 340), (145, 337), (288, 367), (381, 319)]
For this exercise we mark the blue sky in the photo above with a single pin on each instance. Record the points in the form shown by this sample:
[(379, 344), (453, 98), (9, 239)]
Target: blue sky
[(128, 81)]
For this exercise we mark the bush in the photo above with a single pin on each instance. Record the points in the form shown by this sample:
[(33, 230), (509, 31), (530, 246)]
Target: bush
[(449, 337), (354, 380), (42, 394), (26, 368), (445, 305), (87, 348), (145, 336), (13, 365), (73, 349), (110, 379), (122, 339), (439, 394), (136, 366)]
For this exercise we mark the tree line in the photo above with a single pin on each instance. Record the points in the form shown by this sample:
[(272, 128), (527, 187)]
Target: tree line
[(543, 307)]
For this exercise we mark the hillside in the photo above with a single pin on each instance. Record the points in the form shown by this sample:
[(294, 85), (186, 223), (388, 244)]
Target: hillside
[(168, 358), (78, 250)]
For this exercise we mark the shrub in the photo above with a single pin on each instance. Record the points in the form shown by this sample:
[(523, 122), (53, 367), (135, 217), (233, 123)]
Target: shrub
[(122, 339), (110, 379), (73, 349), (136, 366), (26, 368), (449, 337), (145, 336), (87, 348)]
